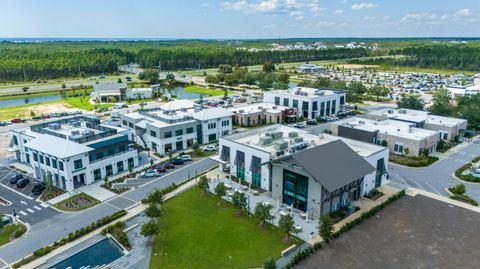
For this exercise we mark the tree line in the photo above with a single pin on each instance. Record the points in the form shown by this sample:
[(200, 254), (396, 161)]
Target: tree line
[(19, 62)]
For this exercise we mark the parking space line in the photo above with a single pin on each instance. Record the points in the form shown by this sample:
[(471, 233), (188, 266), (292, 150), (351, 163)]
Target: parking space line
[(23, 213), (30, 210), (23, 202), (435, 190), (413, 180), (44, 205), (36, 207)]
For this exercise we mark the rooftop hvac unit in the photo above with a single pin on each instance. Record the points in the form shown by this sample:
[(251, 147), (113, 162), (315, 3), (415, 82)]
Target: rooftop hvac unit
[(75, 123), (298, 139), (319, 92), (275, 135), (280, 145), (183, 109), (390, 111), (361, 122), (260, 107), (54, 126), (241, 111), (402, 111), (292, 134), (265, 140), (75, 132)]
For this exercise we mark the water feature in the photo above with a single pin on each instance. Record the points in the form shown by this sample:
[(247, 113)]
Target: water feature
[(28, 100), (101, 253)]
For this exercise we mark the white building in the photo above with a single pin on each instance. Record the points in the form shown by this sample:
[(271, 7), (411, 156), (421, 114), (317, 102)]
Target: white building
[(177, 125), (262, 113), (458, 91), (310, 69), (139, 93), (75, 151), (108, 92), (248, 156), (311, 103)]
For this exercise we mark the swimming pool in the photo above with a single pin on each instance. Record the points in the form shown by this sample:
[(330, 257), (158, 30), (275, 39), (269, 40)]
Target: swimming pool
[(101, 253)]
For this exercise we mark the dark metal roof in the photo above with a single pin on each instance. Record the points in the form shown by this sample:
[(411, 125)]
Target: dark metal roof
[(333, 164)]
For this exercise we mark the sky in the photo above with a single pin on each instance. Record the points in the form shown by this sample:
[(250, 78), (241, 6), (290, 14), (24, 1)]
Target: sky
[(238, 18)]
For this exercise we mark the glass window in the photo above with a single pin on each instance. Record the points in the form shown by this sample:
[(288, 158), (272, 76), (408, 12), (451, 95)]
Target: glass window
[(295, 189), (322, 109), (41, 158), (54, 163), (179, 132), (342, 100), (277, 101), (27, 156), (60, 165), (124, 122), (120, 166), (131, 163), (398, 148), (77, 164), (167, 134), (97, 174), (153, 133), (189, 130), (305, 106), (47, 161), (328, 108), (295, 103), (315, 106), (334, 106), (35, 157), (286, 101), (109, 170)]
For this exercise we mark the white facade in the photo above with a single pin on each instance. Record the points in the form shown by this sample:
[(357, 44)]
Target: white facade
[(311, 103)]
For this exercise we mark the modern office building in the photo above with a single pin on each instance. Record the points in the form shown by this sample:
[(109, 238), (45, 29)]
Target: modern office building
[(449, 128), (311, 103), (400, 137), (310, 69), (76, 151), (177, 125), (262, 113), (270, 159)]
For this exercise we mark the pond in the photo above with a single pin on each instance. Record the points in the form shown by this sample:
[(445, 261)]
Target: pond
[(28, 100), (98, 254)]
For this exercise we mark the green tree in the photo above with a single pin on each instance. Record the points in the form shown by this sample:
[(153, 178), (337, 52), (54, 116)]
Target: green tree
[(406, 151), (286, 225), (152, 211), (411, 101), (225, 69), (270, 264), (441, 103), (262, 211), (203, 183), (239, 200), (170, 78), (196, 149), (151, 75), (325, 228), (468, 108), (355, 91), (458, 189), (155, 197), (268, 67), (220, 190), (283, 77), (378, 91), (211, 79), (322, 83), (149, 229)]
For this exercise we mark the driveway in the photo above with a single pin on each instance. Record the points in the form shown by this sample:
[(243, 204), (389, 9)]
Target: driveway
[(60, 225), (438, 176)]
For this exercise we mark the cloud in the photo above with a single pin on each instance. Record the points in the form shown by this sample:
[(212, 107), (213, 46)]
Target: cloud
[(269, 26), (464, 13), (338, 12), (288, 7), (360, 6), (420, 16), (205, 4)]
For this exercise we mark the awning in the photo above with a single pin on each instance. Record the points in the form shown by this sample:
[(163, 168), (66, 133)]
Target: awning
[(13, 149), (217, 159)]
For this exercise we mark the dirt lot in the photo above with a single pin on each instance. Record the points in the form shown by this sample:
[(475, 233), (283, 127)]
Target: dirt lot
[(414, 232)]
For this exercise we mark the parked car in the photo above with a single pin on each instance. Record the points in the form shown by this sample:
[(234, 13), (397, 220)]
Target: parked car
[(169, 165), (150, 173), (38, 188), (17, 120), (178, 161), (185, 158), (210, 148), (37, 118), (15, 178), (161, 168), (3, 123), (312, 122), (22, 183), (299, 126), (102, 109)]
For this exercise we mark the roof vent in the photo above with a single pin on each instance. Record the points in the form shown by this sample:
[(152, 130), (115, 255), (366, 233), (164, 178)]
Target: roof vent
[(265, 140), (54, 126), (292, 134)]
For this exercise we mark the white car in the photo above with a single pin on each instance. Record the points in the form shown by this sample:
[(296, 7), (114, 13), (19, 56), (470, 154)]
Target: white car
[(210, 148), (185, 158), (150, 173)]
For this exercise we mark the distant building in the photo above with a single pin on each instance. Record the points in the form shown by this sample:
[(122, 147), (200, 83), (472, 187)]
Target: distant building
[(310, 102), (108, 92), (310, 69), (448, 127), (74, 152), (458, 91), (263, 113)]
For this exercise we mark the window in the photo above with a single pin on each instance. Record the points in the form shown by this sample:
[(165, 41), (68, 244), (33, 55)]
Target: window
[(109, 170), (225, 123), (167, 134), (35, 157), (178, 132), (322, 109), (295, 103), (27, 156), (41, 158), (15, 140), (97, 174), (121, 149), (131, 163), (153, 133), (398, 148), (277, 101), (189, 130), (295, 190), (334, 106), (212, 137), (77, 164), (120, 166), (99, 155), (286, 101), (328, 108), (305, 106), (342, 100), (54, 163), (130, 125), (60, 165), (124, 122), (212, 125), (47, 161), (315, 106)]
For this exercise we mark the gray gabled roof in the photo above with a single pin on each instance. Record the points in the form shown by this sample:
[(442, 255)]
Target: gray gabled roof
[(333, 164)]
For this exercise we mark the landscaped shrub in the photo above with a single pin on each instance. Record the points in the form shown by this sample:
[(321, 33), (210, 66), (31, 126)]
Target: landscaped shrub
[(20, 231), (459, 173), (464, 198), (458, 189), (417, 161), (476, 159)]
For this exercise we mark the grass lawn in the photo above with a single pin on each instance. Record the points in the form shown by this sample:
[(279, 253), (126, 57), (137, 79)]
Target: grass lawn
[(417, 161), (82, 103), (196, 233), (201, 90), (77, 202), (7, 232)]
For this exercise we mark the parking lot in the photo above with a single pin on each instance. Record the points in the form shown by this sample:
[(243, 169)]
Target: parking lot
[(22, 201), (413, 232)]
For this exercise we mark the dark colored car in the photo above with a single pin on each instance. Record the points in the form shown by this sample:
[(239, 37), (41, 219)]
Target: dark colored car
[(15, 178), (178, 161), (38, 188), (169, 165), (161, 168), (22, 183), (312, 122)]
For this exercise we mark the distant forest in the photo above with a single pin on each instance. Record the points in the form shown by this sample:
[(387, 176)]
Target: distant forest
[(32, 61), (461, 57)]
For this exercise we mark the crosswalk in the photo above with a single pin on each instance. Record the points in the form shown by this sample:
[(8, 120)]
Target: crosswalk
[(31, 210)]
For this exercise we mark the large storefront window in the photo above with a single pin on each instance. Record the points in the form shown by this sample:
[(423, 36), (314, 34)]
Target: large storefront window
[(256, 169), (295, 190), (240, 163)]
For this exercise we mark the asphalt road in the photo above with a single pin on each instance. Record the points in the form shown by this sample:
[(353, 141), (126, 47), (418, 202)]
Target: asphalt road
[(439, 176), (60, 225)]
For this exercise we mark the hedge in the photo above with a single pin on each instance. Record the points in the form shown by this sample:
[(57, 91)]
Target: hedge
[(464, 198), (305, 253), (468, 178), (71, 237)]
